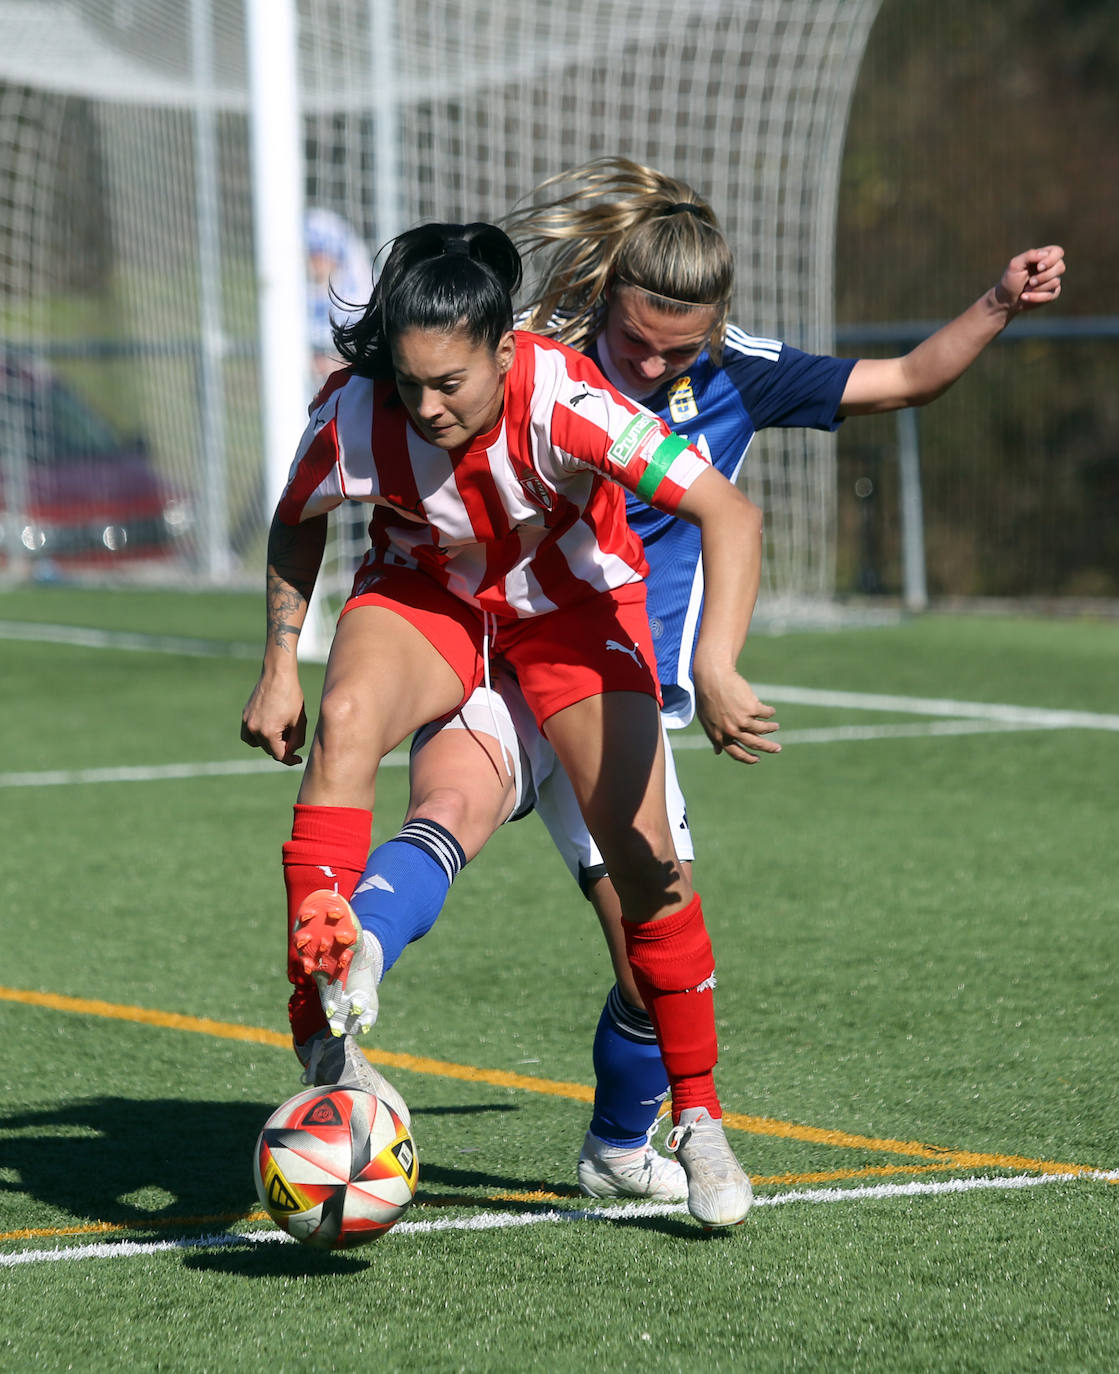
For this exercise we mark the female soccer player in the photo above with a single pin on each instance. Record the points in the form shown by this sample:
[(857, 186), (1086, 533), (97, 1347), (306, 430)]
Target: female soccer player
[(635, 270), (493, 459)]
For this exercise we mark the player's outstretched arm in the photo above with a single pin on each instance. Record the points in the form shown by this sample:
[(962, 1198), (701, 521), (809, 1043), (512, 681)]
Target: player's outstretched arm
[(731, 528), (1031, 279), (274, 718)]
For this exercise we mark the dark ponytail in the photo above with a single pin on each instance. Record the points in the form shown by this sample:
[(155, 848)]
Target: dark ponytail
[(437, 276)]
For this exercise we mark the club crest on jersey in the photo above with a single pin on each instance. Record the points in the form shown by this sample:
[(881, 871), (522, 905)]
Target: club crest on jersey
[(536, 491), (681, 400)]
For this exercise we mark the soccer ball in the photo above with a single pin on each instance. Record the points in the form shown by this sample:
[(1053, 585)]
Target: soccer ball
[(335, 1167)]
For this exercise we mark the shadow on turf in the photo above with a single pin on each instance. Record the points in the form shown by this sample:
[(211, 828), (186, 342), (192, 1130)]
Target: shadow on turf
[(96, 1157), (280, 1261), (147, 1164), (465, 1109), (295, 1261)]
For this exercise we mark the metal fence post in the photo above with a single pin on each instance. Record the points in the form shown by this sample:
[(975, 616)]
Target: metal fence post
[(914, 586), (214, 496)]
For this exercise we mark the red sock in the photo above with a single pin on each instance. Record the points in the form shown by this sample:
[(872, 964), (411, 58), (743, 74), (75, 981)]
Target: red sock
[(674, 970), (328, 849)]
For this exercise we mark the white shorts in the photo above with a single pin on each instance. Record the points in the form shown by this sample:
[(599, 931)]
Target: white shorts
[(542, 785), (527, 754)]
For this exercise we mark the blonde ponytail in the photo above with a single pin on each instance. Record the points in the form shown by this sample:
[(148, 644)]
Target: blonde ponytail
[(610, 221)]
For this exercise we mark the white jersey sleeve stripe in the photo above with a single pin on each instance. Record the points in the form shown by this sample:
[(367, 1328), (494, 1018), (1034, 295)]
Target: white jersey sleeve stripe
[(752, 346)]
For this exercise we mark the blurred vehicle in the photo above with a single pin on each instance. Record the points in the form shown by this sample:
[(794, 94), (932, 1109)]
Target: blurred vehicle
[(73, 489)]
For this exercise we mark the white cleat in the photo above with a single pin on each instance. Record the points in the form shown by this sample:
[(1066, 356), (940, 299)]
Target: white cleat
[(335, 1060), (620, 1171), (719, 1193), (344, 960)]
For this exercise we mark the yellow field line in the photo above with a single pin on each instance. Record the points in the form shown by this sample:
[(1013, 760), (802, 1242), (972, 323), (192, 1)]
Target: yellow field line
[(169, 1020), (942, 1158), (96, 1228), (104, 1228), (545, 1195), (945, 1158)]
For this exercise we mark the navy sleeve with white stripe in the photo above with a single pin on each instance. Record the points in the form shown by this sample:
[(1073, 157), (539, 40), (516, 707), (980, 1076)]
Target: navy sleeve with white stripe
[(762, 383)]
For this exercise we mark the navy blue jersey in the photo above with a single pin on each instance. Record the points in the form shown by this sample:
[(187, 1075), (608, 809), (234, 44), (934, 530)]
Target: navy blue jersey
[(762, 383)]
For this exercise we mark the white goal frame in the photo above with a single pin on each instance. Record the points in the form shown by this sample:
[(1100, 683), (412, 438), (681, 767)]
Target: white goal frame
[(213, 121)]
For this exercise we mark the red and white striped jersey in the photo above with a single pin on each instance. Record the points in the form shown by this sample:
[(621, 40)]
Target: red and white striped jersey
[(526, 518)]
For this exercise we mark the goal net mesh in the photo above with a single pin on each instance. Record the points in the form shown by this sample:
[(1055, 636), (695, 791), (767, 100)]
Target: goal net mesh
[(127, 275)]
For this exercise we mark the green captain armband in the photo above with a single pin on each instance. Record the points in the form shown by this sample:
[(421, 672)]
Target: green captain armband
[(660, 460)]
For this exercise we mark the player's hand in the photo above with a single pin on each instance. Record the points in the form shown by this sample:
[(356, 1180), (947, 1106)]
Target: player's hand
[(275, 719), (736, 722), (1031, 279)]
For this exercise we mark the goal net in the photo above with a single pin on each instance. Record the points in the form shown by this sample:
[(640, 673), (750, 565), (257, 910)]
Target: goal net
[(128, 284)]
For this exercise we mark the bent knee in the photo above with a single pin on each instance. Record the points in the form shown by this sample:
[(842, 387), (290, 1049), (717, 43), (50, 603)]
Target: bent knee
[(350, 740), (348, 718), (470, 818)]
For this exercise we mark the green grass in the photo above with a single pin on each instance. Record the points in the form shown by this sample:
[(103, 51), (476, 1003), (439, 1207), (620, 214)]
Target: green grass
[(915, 941)]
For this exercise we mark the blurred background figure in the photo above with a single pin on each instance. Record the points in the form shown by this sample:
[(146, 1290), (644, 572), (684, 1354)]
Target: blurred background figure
[(339, 277)]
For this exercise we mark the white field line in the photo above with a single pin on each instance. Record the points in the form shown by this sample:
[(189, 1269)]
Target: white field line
[(1031, 717), (492, 1221), (160, 772), (831, 734), (965, 717), (843, 734), (84, 638)]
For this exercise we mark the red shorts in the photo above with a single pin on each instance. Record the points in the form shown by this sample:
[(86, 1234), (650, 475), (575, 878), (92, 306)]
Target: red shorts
[(599, 645)]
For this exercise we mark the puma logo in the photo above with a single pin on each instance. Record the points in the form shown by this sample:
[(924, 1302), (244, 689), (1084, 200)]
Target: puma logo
[(634, 653)]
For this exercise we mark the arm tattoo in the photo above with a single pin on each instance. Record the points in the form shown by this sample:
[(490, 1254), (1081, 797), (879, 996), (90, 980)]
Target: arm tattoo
[(294, 555), (286, 610)]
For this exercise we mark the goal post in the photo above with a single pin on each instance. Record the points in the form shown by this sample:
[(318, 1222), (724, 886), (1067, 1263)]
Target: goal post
[(448, 109)]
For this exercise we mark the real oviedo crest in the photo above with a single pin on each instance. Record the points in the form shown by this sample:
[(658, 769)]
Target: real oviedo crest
[(681, 400)]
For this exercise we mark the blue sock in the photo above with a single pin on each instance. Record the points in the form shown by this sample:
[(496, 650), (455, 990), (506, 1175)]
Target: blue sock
[(630, 1080), (405, 884)]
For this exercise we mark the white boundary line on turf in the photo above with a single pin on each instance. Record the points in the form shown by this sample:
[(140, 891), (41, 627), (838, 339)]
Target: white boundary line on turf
[(1033, 717), (965, 717), (85, 638), (160, 772), (832, 734), (491, 1221), (842, 734)]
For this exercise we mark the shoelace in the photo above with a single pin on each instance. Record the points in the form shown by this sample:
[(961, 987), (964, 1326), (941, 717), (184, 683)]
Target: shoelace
[(677, 1136), (663, 1119), (719, 1162)]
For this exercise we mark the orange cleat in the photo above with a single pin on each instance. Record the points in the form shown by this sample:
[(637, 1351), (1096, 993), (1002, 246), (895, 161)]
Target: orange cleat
[(326, 934), (344, 960)]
